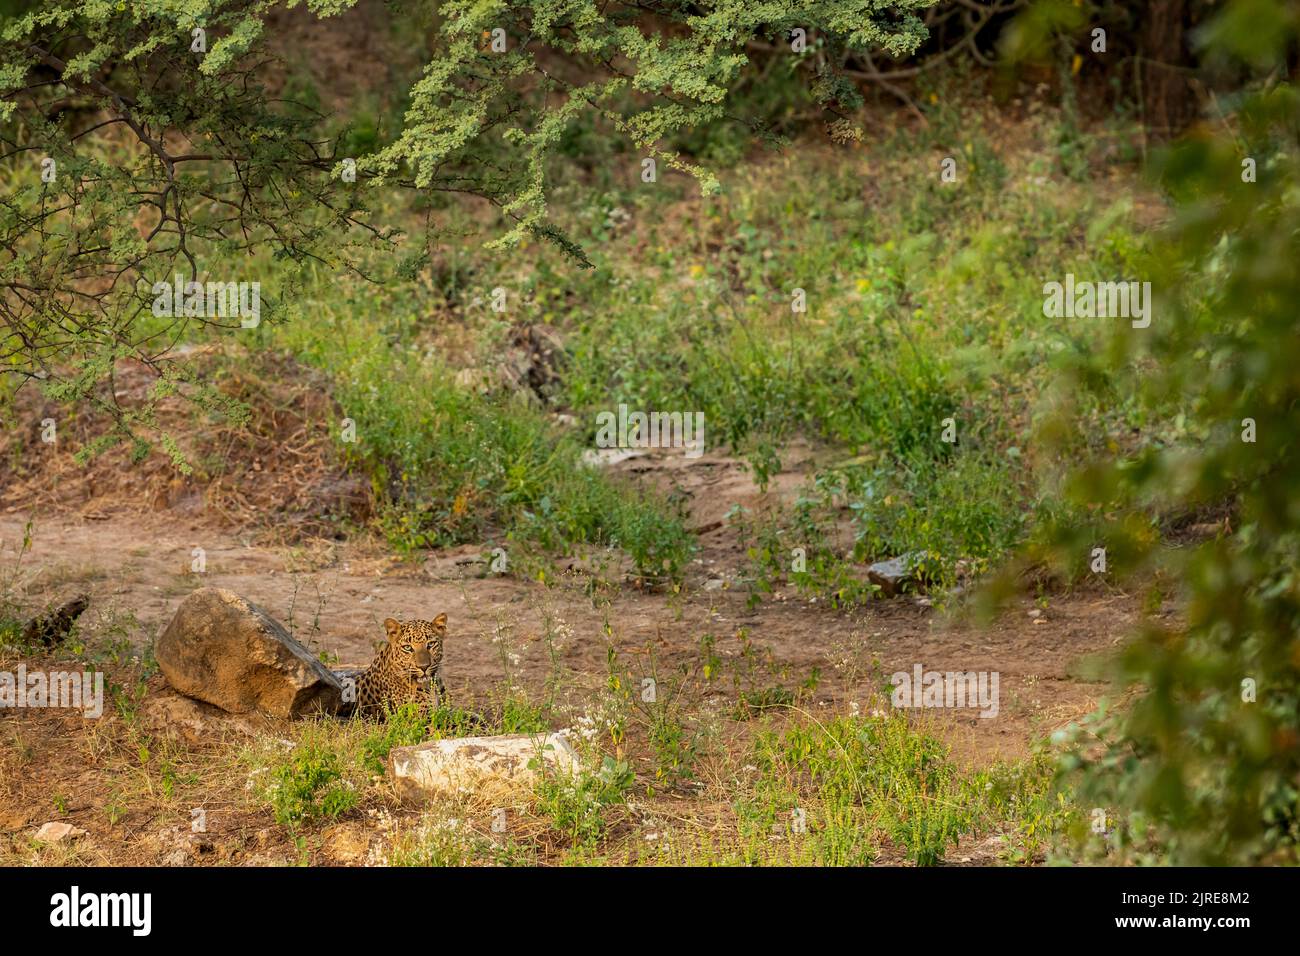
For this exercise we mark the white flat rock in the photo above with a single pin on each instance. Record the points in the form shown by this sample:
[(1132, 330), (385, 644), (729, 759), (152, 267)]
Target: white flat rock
[(483, 765)]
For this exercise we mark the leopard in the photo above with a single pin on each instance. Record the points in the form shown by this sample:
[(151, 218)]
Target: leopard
[(408, 668)]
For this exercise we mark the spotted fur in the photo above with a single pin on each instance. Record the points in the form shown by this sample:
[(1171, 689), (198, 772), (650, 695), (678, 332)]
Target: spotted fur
[(407, 668)]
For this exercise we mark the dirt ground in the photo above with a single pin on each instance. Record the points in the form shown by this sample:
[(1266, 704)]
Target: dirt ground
[(277, 520), (333, 596), (262, 512), (129, 541)]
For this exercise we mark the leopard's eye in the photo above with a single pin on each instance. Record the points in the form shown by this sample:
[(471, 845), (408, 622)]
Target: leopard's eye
[(407, 648)]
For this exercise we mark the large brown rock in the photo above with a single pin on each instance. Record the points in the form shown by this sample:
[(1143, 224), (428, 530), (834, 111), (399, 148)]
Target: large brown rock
[(228, 652), (168, 713)]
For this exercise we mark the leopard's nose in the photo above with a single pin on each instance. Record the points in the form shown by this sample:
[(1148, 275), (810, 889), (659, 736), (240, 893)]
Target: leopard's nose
[(422, 659)]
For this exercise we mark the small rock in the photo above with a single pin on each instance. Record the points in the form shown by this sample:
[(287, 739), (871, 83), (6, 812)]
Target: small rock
[(465, 764), (895, 575), (228, 652), (477, 379), (713, 584), (604, 457), (57, 832), (176, 845), (533, 362), (176, 857)]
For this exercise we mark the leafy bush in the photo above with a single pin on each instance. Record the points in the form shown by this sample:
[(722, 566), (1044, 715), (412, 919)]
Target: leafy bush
[(577, 804), (969, 508), (309, 786), (402, 726), (450, 466), (1202, 768)]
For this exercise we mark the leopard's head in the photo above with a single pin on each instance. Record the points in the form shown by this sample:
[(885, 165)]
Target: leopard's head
[(415, 649)]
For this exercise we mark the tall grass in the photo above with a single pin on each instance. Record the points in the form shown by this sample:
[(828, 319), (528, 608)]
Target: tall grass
[(448, 465)]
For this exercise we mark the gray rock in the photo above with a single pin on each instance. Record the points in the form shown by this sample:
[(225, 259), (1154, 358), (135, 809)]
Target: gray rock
[(224, 650), (895, 575)]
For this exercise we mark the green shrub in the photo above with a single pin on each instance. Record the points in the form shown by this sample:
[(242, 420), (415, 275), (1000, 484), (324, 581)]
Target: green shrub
[(576, 805), (402, 726), (1201, 768), (449, 466), (309, 787)]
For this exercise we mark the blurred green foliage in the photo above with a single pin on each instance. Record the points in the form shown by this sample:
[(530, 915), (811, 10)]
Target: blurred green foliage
[(1201, 763)]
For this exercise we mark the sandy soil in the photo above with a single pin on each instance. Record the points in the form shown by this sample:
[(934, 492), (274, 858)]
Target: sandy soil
[(334, 596)]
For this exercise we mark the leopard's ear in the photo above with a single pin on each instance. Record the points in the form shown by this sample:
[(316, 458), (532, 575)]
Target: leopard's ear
[(440, 622), (392, 627)]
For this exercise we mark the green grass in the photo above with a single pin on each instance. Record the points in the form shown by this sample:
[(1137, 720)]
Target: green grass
[(449, 466), (856, 780), (924, 305), (924, 309), (310, 786), (577, 805)]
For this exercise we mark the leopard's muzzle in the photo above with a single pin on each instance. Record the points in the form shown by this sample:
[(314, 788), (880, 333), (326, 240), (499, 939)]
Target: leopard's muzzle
[(422, 667)]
